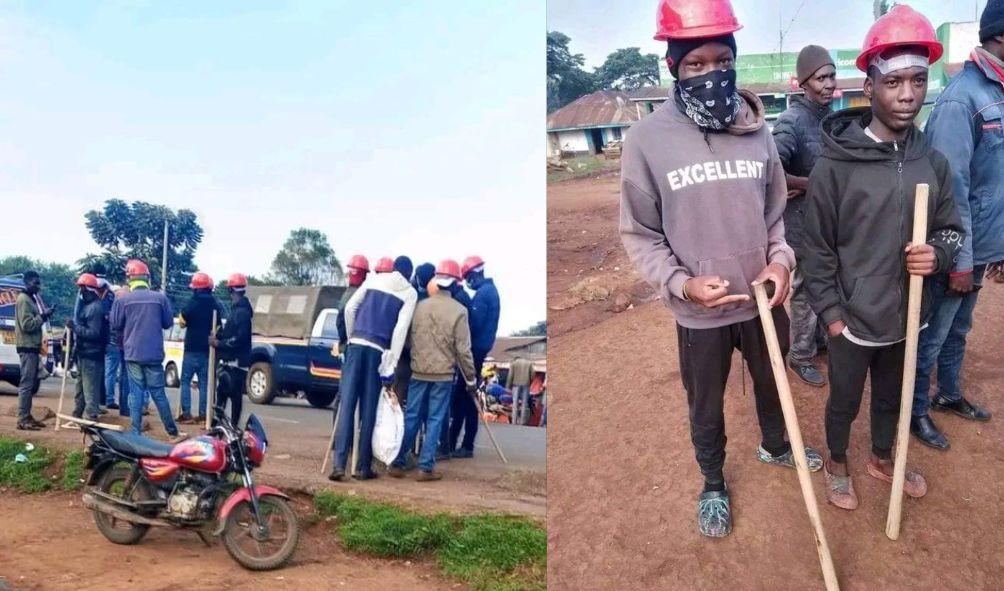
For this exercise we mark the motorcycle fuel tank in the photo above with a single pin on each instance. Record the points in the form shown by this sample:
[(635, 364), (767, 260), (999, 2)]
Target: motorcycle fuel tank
[(201, 453)]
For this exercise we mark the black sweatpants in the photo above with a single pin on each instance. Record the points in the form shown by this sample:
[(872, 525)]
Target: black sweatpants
[(231, 383), (705, 361), (849, 365)]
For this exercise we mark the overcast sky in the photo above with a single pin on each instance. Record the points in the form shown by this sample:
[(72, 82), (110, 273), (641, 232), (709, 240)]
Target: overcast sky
[(394, 127), (598, 27)]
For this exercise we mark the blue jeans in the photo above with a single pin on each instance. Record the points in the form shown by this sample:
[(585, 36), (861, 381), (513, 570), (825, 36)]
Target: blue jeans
[(360, 386), (427, 405), (191, 365), (148, 380), (112, 359), (944, 342)]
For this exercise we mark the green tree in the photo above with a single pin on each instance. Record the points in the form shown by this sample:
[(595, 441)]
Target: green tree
[(59, 282), (627, 69), (566, 80), (136, 230), (307, 258), (537, 330)]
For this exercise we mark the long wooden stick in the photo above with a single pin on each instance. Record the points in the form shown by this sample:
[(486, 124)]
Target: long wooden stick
[(81, 421), (909, 370), (795, 437), (355, 443), (211, 385), (484, 421), (331, 441), (66, 370)]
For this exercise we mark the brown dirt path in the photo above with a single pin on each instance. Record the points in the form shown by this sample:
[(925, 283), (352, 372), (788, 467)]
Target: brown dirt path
[(623, 482)]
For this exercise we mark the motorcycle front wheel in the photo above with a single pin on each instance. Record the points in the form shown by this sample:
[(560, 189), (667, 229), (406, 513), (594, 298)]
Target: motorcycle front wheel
[(118, 482), (267, 550)]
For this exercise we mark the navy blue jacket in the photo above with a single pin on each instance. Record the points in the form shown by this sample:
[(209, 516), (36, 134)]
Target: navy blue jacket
[(484, 317), (198, 316), (235, 336)]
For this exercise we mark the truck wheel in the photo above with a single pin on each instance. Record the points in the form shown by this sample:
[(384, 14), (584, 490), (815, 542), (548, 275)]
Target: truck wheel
[(260, 386), (171, 379), (321, 399)]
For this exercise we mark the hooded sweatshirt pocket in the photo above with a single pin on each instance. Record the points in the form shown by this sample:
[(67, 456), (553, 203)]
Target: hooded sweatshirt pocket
[(739, 270), (872, 311)]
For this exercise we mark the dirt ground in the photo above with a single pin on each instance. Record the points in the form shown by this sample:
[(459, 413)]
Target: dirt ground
[(623, 482), (50, 542)]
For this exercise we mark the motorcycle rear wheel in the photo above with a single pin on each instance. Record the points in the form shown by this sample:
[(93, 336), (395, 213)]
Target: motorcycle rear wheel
[(268, 554), (115, 481)]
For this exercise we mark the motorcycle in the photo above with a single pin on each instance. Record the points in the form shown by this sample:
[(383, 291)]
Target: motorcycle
[(202, 484)]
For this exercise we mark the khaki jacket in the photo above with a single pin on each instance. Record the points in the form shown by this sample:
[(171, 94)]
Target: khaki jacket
[(440, 340), (27, 323), (520, 373)]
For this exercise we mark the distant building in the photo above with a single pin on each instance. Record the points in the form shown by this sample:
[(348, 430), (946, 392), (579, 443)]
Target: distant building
[(507, 348), (589, 123)]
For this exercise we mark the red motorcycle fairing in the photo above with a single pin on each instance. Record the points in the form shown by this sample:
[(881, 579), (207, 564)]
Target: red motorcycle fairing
[(202, 453), (244, 494), (157, 469)]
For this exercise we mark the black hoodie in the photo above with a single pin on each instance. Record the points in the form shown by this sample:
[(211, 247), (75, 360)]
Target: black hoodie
[(859, 218), (235, 336)]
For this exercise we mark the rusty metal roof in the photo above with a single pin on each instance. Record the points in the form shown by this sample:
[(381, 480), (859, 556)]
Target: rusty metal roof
[(599, 109)]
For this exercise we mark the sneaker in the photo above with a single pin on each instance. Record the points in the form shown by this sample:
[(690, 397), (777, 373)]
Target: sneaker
[(787, 459), (337, 475), (396, 472), (714, 516), (914, 485), (429, 476), (840, 491), (807, 373), (463, 453), (27, 426), (961, 407)]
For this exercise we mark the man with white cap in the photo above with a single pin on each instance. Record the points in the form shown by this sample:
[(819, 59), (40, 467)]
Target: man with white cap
[(440, 340), (858, 257)]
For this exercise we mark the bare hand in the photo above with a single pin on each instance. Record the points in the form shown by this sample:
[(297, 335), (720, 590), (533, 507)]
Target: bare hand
[(960, 284), (213, 342), (836, 328), (793, 193), (995, 270), (921, 260), (69, 324), (777, 274), (711, 291)]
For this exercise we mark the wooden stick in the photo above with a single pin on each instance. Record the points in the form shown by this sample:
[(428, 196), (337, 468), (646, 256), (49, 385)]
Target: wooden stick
[(909, 370), (66, 370), (355, 443), (331, 442), (795, 436), (88, 422), (481, 414), (211, 386)]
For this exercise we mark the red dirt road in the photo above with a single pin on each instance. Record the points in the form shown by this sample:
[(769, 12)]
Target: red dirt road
[(623, 482), (50, 542)]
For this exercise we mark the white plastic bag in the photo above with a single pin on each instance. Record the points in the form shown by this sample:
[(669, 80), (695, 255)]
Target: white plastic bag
[(388, 433)]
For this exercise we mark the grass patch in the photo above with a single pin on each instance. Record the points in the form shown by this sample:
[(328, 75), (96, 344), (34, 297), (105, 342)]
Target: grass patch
[(582, 166), (29, 475), (73, 470), (491, 552)]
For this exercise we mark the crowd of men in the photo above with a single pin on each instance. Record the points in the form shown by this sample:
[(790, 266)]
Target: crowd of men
[(418, 332), (712, 200)]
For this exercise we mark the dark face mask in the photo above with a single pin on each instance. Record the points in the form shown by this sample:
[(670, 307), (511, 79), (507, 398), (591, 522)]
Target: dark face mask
[(710, 100)]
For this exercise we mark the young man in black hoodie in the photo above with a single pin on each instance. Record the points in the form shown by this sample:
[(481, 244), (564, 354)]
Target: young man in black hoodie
[(858, 257), (233, 344), (197, 318)]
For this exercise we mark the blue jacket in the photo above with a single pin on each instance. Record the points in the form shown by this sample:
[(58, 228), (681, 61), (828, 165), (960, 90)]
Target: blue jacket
[(139, 319), (484, 311), (966, 126), (379, 315)]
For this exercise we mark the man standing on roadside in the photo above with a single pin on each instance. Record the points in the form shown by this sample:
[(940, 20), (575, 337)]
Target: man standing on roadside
[(197, 319), (90, 336), (799, 143), (965, 126), (28, 322), (518, 380), (233, 343)]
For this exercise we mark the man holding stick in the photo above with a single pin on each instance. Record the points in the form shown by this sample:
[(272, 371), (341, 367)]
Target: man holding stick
[(702, 198), (858, 256), (233, 344)]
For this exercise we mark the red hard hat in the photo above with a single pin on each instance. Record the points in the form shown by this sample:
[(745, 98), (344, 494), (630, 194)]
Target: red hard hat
[(470, 263), (694, 19), (450, 268), (237, 281), (136, 267), (899, 27), (201, 281), (360, 263), (384, 265), (88, 280)]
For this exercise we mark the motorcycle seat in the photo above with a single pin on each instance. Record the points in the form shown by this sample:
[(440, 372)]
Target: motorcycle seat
[(136, 445)]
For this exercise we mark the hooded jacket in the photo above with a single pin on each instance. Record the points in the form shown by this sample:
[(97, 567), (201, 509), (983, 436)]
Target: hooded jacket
[(379, 315), (859, 218), (91, 330), (198, 316), (693, 205), (485, 309), (235, 336)]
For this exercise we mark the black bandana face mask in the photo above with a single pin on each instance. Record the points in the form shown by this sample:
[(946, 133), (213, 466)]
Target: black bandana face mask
[(710, 100)]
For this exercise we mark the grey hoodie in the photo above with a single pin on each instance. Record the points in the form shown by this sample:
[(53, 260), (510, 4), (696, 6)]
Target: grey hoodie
[(689, 208)]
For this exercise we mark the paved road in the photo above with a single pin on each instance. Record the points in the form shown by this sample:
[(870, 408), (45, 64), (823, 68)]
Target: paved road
[(525, 447)]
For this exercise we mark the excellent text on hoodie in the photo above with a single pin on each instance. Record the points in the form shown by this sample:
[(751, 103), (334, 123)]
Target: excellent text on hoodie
[(715, 170)]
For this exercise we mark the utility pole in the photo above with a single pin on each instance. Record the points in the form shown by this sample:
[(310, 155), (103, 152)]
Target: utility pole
[(163, 264)]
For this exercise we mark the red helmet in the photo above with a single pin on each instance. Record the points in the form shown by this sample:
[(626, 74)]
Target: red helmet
[(384, 265), (694, 19), (136, 268), (899, 27), (450, 268), (471, 263), (88, 280), (359, 263), (237, 281), (201, 281)]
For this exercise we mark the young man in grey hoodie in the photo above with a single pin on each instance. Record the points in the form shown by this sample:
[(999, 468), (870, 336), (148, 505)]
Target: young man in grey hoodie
[(702, 198)]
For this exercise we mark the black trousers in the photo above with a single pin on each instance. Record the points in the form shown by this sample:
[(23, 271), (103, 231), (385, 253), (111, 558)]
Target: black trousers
[(705, 362), (849, 366), (231, 383), (463, 409)]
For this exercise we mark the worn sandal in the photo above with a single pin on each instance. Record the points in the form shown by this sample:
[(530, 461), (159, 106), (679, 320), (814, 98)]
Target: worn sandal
[(840, 491), (914, 486)]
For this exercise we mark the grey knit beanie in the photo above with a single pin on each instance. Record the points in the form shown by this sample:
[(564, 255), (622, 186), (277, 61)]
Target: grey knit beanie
[(810, 59)]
